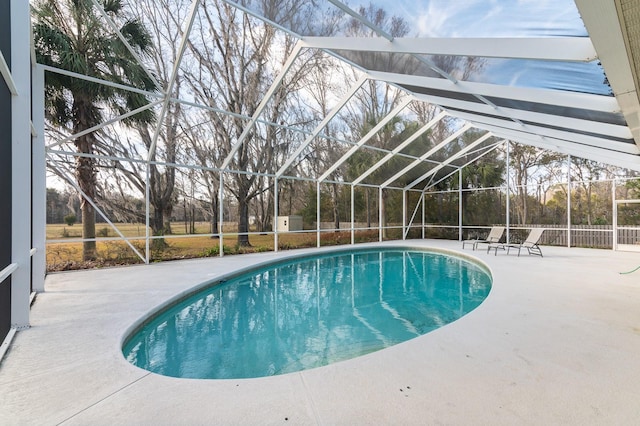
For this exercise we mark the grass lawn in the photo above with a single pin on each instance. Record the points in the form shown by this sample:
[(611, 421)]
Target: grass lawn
[(60, 230), (180, 245)]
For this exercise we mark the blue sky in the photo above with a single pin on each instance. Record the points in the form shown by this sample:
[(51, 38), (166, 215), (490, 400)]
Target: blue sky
[(489, 18), (505, 18)]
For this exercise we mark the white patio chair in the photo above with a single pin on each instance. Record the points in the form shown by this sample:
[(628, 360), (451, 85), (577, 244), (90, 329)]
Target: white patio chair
[(494, 237), (531, 244)]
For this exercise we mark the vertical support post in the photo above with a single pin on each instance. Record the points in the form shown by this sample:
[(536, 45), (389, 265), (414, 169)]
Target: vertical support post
[(423, 211), (569, 201), (147, 209), (21, 164), (275, 214), (614, 209), (221, 214), (404, 215), (460, 204), (508, 219), (353, 215), (318, 214), (380, 211), (39, 182)]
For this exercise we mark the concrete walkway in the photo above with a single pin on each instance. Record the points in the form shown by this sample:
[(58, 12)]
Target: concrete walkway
[(556, 342)]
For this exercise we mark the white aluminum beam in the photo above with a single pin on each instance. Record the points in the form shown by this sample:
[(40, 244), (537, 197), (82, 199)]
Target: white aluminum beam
[(103, 124), (606, 25), (322, 125), (508, 198), (569, 49), (400, 147), (21, 164), (602, 155), (6, 74), (427, 154), (449, 160), (526, 94), (366, 137), (39, 181), (275, 215), (262, 18), (346, 9), (432, 184), (569, 123), (575, 138), (263, 103), (100, 81)]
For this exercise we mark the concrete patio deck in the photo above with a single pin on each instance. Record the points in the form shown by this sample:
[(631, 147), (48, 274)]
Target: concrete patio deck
[(556, 342)]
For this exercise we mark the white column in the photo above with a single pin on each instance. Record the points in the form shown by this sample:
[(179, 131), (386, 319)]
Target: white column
[(404, 214), (318, 214), (221, 214), (508, 192), (422, 200), (21, 164), (353, 215), (380, 214), (275, 214), (39, 183), (147, 209), (568, 200), (614, 209), (460, 205)]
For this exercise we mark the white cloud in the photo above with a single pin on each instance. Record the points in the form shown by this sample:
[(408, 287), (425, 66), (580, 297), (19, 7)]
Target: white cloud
[(487, 18)]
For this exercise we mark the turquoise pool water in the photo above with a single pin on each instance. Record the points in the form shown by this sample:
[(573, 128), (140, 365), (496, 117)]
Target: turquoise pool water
[(308, 312)]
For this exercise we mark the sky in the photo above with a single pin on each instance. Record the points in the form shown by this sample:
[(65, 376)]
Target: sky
[(505, 18), (489, 18)]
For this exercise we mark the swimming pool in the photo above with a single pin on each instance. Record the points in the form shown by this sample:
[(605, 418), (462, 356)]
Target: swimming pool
[(308, 312)]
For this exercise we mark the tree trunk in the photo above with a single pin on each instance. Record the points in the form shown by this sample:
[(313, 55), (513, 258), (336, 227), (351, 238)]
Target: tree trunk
[(156, 222), (86, 177), (166, 217), (88, 231), (214, 216), (243, 222), (192, 224)]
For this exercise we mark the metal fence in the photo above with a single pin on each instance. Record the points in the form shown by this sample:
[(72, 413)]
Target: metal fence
[(593, 236)]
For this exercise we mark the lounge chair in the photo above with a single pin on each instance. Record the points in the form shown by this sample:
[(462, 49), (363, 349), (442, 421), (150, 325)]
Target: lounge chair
[(531, 244), (494, 237)]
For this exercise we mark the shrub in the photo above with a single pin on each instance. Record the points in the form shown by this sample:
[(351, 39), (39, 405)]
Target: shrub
[(103, 232), (70, 219), (211, 252)]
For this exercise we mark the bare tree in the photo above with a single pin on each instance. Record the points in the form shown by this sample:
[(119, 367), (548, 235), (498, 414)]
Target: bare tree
[(524, 162), (238, 58), (164, 19), (588, 172), (203, 150)]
